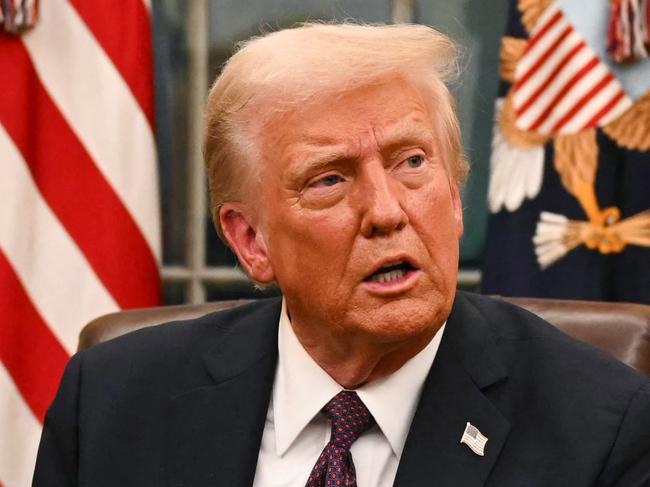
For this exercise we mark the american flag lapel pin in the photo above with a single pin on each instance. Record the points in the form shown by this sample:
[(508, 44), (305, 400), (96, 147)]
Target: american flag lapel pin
[(474, 439)]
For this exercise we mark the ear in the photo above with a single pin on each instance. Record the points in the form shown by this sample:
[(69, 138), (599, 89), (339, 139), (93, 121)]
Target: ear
[(457, 208), (240, 228)]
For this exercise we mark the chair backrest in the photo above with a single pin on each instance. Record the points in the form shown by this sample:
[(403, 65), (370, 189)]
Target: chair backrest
[(619, 329)]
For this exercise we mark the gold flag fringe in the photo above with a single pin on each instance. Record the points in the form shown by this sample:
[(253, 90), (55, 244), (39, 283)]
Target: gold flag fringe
[(531, 10), (632, 129), (517, 137), (512, 49)]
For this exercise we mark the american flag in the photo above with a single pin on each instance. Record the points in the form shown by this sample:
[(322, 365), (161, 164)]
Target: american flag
[(79, 218), (561, 86), (473, 438)]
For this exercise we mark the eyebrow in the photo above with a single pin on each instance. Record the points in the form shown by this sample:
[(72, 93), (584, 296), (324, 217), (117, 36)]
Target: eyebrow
[(321, 154), (405, 135), (315, 157)]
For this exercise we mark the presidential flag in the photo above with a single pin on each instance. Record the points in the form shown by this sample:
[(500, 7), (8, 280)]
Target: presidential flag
[(570, 167), (79, 218)]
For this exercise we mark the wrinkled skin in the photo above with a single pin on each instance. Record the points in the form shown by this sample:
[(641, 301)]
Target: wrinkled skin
[(347, 185)]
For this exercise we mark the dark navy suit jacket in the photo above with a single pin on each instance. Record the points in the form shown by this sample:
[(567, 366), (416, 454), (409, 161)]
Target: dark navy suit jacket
[(184, 404)]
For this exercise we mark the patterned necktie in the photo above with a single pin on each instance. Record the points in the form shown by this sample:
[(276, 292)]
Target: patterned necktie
[(350, 417)]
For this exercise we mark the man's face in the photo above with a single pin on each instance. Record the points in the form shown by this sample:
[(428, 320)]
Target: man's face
[(358, 216)]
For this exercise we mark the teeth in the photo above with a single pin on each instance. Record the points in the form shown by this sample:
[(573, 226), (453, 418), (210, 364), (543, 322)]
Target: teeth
[(388, 276)]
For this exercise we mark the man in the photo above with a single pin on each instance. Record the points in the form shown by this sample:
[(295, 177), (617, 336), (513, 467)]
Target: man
[(335, 162)]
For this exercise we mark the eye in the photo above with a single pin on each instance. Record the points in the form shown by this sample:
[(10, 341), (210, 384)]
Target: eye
[(324, 190), (330, 180), (415, 161)]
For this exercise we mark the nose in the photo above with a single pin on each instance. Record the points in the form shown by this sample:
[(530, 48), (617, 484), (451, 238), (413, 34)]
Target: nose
[(381, 205)]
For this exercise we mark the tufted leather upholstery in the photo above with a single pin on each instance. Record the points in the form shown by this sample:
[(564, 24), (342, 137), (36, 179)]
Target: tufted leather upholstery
[(619, 329)]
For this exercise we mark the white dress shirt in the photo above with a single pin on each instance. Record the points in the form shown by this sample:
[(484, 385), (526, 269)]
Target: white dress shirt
[(295, 432)]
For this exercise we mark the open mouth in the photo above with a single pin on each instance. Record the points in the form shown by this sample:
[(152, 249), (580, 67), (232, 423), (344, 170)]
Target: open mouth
[(390, 273)]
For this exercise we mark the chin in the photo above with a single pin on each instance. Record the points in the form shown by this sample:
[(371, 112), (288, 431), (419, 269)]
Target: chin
[(403, 319)]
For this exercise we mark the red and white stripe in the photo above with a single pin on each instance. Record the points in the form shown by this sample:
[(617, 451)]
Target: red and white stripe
[(561, 86), (79, 222)]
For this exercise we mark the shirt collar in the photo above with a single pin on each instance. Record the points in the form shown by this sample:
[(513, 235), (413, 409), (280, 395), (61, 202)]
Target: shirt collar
[(302, 388)]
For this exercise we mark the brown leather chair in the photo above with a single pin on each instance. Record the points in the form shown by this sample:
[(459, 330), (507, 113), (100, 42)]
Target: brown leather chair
[(619, 329)]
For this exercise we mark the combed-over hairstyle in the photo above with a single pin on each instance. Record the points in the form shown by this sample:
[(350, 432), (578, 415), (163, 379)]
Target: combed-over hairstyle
[(273, 73)]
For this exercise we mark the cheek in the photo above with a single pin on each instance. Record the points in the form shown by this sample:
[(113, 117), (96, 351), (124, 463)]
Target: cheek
[(316, 231), (432, 214), (312, 241)]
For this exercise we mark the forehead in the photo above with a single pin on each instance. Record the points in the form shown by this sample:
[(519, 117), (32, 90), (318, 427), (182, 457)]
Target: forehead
[(380, 114)]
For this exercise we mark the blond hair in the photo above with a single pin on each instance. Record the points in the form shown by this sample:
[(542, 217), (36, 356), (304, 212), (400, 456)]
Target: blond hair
[(289, 67)]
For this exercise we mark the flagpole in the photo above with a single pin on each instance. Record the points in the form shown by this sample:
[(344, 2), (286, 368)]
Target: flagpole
[(198, 47), (403, 11)]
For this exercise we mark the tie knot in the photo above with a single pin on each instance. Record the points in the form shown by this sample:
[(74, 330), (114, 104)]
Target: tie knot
[(349, 416)]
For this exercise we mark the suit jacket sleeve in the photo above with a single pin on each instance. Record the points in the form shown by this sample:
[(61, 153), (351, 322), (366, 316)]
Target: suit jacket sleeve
[(628, 464), (57, 461)]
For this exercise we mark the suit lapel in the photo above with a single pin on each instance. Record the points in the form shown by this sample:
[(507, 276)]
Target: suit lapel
[(466, 365), (214, 432)]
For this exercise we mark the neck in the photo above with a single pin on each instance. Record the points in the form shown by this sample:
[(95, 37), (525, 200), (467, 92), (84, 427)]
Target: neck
[(353, 361)]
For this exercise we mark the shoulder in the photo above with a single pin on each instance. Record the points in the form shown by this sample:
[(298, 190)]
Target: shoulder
[(505, 319), (509, 322), (536, 352), (169, 349), (194, 332), (556, 392)]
